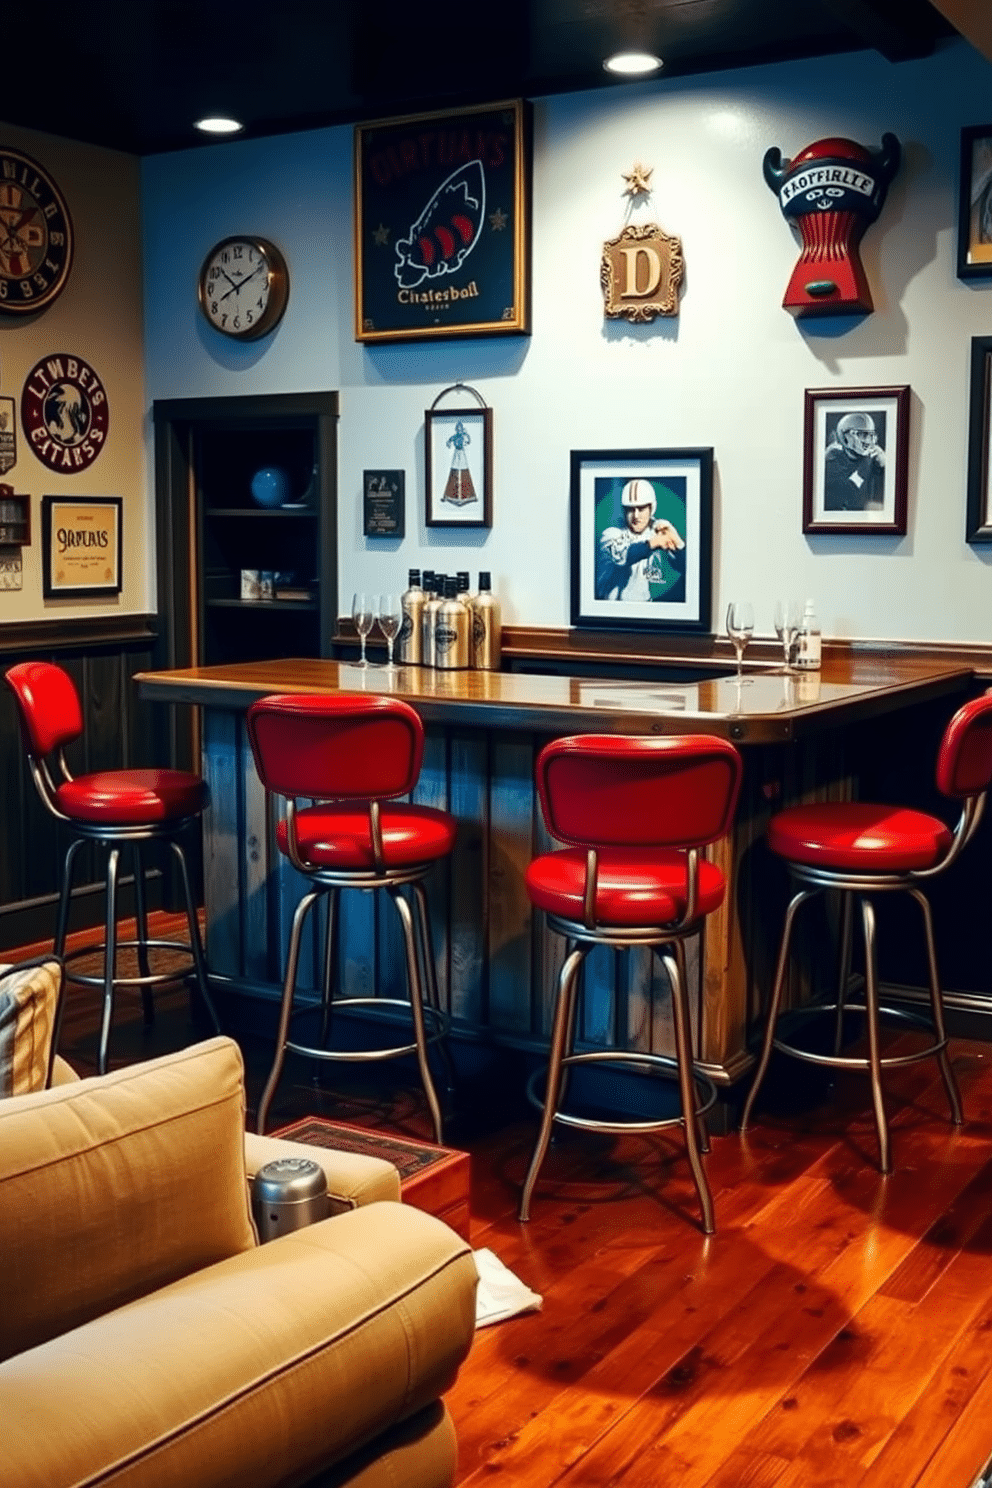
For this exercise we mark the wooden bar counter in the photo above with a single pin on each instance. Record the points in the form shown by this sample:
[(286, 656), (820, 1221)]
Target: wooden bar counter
[(803, 737)]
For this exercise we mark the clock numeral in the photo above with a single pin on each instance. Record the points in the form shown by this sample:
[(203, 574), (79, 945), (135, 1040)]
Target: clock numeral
[(56, 239), (3, 289), (214, 308)]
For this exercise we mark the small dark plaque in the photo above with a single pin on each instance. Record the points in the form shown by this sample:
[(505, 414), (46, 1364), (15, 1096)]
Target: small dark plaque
[(383, 492)]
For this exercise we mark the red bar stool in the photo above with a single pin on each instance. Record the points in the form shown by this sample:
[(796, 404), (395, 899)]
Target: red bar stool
[(635, 813), (861, 849), (115, 808), (354, 755)]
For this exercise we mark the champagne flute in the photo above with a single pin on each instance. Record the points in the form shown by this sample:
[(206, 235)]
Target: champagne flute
[(740, 629), (390, 615), (361, 613), (788, 618)]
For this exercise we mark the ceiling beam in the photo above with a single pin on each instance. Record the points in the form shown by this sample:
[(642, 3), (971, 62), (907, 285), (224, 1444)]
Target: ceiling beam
[(973, 18), (900, 29)]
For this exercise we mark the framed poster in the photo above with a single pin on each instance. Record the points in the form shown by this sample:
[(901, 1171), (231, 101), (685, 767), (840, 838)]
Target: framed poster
[(975, 203), (978, 528), (855, 459), (81, 546), (383, 503), (442, 233), (458, 458), (641, 542)]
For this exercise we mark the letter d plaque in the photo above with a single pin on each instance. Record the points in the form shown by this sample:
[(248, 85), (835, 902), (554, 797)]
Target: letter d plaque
[(641, 273)]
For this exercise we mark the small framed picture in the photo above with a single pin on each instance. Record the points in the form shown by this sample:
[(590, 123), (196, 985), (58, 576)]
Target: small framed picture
[(978, 528), (975, 203), (459, 467), (642, 537), (384, 503), (855, 460), (81, 546)]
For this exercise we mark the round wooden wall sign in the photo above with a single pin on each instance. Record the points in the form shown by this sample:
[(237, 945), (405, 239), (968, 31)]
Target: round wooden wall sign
[(35, 236), (64, 413)]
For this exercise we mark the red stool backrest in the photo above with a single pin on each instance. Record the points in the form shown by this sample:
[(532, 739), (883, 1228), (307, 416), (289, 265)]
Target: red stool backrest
[(964, 761), (346, 747), (51, 714), (607, 790)]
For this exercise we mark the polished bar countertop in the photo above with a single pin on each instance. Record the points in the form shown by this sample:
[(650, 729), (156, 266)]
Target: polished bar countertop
[(767, 705)]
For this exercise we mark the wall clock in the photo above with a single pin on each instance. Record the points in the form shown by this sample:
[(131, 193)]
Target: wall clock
[(244, 286), (35, 236)]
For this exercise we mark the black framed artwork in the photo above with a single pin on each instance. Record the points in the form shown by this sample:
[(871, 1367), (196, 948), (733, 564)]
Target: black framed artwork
[(642, 539), (458, 467), (978, 527), (975, 203), (442, 233), (82, 549), (384, 503), (855, 460)]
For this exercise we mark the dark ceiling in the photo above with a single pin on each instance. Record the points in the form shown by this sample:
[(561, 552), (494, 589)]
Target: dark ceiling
[(135, 74)]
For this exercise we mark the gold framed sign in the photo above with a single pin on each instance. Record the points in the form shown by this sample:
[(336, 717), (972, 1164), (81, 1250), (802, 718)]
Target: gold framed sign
[(442, 235), (81, 546), (641, 273)]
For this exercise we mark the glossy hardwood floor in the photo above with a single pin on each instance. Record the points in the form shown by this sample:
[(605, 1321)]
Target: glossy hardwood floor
[(837, 1330)]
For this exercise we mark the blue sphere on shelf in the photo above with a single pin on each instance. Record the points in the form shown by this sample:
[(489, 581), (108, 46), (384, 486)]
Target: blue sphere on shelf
[(270, 486)]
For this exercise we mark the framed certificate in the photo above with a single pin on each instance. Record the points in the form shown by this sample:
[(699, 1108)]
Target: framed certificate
[(81, 546)]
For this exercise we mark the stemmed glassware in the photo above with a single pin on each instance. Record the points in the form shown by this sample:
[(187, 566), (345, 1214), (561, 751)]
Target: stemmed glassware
[(788, 619), (389, 612), (361, 613), (740, 629)]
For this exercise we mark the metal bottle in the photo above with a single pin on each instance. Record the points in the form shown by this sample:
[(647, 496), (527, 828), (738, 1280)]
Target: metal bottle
[(428, 617), (463, 592), (410, 636), (486, 627), (451, 631)]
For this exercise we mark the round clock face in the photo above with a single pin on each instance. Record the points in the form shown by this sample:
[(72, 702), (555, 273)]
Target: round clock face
[(35, 236), (244, 286)]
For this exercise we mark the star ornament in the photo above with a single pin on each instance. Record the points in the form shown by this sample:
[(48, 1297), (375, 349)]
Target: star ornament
[(380, 236), (638, 179), (498, 220)]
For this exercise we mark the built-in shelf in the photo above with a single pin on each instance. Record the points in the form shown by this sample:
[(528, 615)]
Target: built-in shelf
[(15, 518)]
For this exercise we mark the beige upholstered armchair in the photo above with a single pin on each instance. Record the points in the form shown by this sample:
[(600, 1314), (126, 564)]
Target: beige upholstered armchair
[(147, 1338)]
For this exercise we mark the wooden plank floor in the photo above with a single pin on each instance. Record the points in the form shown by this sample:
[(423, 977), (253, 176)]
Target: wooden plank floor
[(837, 1330)]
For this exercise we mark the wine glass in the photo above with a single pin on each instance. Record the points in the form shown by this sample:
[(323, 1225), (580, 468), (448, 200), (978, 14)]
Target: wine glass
[(389, 612), (788, 619), (740, 628), (361, 613)]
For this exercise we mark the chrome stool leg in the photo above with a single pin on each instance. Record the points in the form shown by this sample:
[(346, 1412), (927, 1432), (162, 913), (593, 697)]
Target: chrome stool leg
[(110, 959), (65, 897), (775, 1004), (564, 1025), (285, 1009), (844, 972), (874, 1049), (196, 944), (937, 1007), (417, 1009), (675, 966), (330, 946), (430, 979), (141, 922)]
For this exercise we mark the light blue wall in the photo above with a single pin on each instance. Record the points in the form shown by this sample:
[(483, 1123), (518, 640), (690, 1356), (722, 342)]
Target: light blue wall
[(730, 372)]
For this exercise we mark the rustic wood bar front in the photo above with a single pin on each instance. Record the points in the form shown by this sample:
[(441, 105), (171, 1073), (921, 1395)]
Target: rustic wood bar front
[(803, 737)]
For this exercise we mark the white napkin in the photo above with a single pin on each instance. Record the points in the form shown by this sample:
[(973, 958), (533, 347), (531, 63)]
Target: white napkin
[(501, 1295)]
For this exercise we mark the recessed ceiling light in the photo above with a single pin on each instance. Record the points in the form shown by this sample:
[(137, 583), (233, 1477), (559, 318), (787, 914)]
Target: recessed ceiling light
[(633, 64), (219, 126)]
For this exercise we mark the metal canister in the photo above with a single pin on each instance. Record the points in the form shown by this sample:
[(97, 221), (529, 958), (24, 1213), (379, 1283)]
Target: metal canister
[(288, 1193), (486, 627), (410, 638)]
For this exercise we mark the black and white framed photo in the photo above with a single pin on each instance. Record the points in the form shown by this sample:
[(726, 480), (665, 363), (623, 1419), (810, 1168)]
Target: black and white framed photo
[(975, 203), (458, 458), (855, 460), (978, 528), (642, 539), (384, 503)]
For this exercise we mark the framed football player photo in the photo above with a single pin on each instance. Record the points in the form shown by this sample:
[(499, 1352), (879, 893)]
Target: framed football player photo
[(975, 203), (978, 528), (855, 460), (641, 539), (442, 224)]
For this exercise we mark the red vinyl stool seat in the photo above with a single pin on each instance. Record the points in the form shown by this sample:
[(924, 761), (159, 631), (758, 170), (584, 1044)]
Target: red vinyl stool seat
[(861, 848), (115, 808), (634, 814), (353, 756)]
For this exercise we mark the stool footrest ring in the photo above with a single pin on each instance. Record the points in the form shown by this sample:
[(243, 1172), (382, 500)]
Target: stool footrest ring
[(857, 1061), (178, 973), (439, 1021), (628, 1057)]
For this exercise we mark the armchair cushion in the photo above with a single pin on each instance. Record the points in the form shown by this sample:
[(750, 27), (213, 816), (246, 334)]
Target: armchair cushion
[(29, 995), (121, 1184)]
